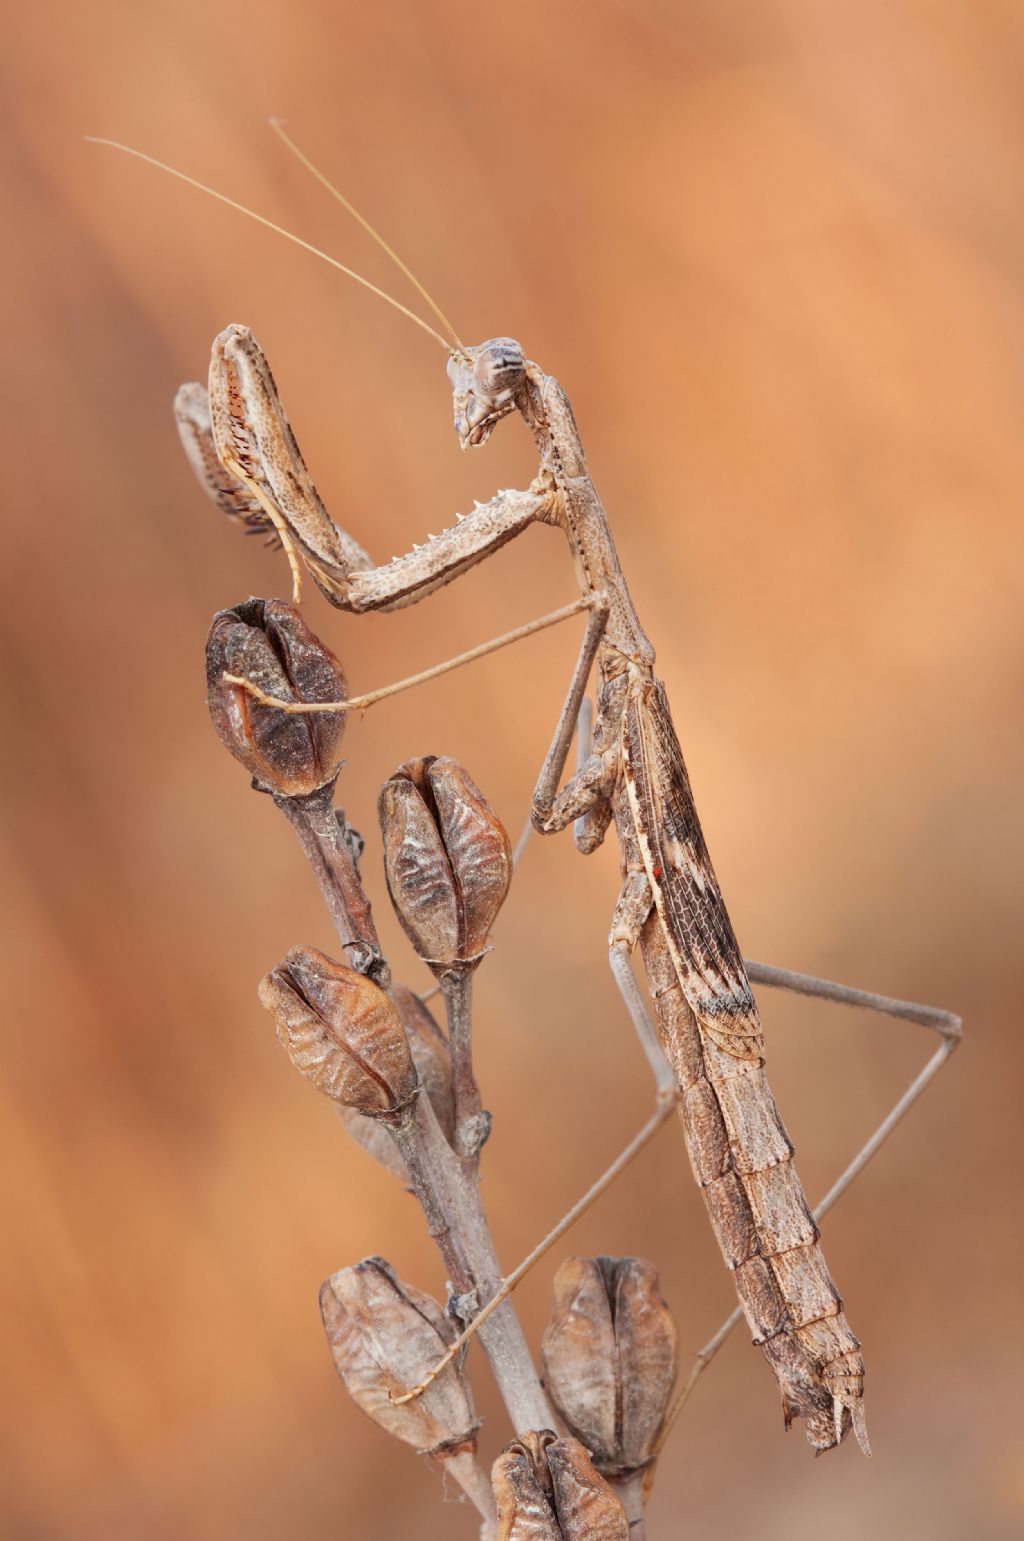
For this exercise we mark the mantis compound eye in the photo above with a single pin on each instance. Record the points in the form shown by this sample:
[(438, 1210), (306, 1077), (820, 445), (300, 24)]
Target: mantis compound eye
[(484, 385), (498, 368)]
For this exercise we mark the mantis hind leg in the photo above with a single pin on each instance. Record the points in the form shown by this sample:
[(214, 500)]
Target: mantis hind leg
[(631, 913), (946, 1023), (591, 827), (949, 1027), (583, 801), (591, 782)]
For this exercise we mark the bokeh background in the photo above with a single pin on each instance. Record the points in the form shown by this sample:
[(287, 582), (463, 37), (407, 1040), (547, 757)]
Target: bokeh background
[(774, 250)]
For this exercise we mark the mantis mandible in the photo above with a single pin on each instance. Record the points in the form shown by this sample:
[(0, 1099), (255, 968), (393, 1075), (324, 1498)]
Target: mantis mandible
[(707, 1051)]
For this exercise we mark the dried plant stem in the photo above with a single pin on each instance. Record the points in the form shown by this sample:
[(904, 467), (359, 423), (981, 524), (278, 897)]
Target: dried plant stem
[(471, 1123), (475, 1483), (608, 1176), (630, 1492), (446, 1185), (329, 853), (448, 1190)]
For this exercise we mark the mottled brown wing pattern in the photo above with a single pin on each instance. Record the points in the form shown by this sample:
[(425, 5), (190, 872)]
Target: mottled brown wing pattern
[(739, 1149), (686, 891)]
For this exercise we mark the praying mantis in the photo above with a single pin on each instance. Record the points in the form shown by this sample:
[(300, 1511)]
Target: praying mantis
[(705, 1045)]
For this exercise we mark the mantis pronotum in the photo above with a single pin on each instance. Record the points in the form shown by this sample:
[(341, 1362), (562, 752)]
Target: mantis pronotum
[(632, 775)]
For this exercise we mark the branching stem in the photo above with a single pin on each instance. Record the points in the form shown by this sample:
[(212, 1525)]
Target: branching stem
[(470, 1123), (445, 1183)]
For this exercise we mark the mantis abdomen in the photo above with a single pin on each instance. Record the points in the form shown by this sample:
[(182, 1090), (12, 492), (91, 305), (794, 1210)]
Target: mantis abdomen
[(741, 1155)]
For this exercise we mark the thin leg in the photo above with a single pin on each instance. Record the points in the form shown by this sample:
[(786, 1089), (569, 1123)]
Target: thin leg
[(554, 761), (665, 1081), (584, 745), (590, 828), (631, 902), (521, 844), (634, 906), (582, 754), (593, 1193), (583, 737), (359, 703), (946, 1023)]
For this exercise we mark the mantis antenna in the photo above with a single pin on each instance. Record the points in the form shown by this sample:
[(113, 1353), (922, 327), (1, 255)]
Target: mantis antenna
[(260, 219), (277, 124)]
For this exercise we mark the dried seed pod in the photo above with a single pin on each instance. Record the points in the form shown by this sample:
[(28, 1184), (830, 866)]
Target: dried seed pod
[(341, 1031), (267, 641), (447, 859), (385, 1337), (547, 1489), (375, 1140), (433, 1063), (609, 1356), (523, 1496), (587, 1508), (430, 1055)]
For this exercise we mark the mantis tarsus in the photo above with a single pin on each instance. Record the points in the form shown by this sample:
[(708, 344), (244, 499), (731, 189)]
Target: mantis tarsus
[(632, 775)]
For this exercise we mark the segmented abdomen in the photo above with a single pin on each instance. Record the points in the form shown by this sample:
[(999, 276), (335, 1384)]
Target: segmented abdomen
[(741, 1155)]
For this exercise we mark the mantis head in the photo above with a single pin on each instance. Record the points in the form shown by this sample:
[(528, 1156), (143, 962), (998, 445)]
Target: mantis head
[(485, 383)]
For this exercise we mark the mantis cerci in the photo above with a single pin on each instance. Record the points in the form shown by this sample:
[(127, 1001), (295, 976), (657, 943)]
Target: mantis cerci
[(707, 1051)]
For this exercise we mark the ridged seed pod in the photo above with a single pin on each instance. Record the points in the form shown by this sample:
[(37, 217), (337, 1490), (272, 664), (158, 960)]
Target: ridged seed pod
[(267, 641), (431, 1056), (341, 1031), (609, 1357), (547, 1489), (385, 1337), (447, 859)]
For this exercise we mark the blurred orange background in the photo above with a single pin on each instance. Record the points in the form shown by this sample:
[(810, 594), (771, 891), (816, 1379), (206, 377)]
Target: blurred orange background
[(774, 252)]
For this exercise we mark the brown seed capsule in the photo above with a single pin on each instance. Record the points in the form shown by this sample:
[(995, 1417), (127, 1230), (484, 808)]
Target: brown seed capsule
[(385, 1337), (609, 1355), (447, 858), (341, 1031), (433, 1063), (547, 1489), (267, 641)]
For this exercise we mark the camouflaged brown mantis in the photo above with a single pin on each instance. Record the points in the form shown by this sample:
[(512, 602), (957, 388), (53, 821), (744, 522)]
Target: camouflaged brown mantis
[(707, 1051)]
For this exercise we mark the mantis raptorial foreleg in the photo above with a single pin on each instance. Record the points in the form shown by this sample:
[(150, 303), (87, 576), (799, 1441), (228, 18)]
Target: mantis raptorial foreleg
[(242, 447)]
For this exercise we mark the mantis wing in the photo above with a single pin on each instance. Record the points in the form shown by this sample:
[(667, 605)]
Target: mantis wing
[(700, 935)]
